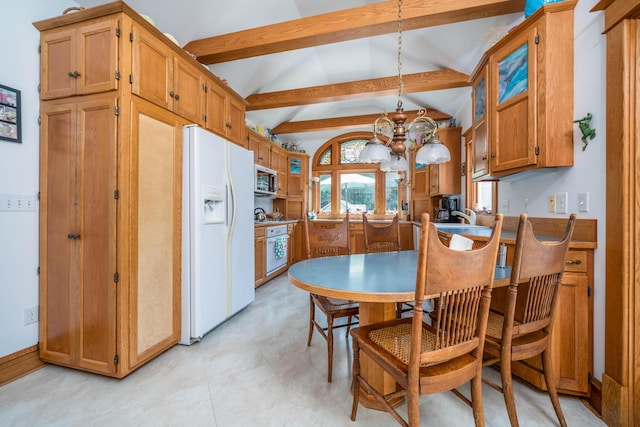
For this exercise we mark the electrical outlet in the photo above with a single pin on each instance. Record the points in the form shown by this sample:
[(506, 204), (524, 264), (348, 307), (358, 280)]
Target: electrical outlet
[(562, 202), (551, 205), (526, 205), (30, 315), (505, 206), (583, 202)]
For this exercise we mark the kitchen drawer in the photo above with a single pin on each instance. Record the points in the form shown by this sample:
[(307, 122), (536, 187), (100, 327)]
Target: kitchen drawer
[(576, 262), (259, 232)]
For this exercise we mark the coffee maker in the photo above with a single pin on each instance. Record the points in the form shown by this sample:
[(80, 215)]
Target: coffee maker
[(446, 206)]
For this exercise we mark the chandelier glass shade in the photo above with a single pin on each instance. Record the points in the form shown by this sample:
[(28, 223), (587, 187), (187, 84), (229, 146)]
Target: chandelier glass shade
[(392, 150)]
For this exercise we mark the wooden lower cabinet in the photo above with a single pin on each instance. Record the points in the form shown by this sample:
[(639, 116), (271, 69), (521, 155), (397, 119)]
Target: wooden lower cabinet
[(110, 232), (572, 345), (260, 255)]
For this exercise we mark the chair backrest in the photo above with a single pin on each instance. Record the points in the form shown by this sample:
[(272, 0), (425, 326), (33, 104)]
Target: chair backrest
[(323, 242), (462, 282), (381, 238), (535, 279)]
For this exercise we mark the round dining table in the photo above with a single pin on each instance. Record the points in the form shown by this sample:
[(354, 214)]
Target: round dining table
[(377, 281)]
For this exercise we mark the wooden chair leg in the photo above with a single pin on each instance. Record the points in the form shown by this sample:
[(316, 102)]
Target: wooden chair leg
[(476, 399), (507, 390), (348, 326), (355, 381), (398, 310), (330, 346), (312, 314), (547, 369)]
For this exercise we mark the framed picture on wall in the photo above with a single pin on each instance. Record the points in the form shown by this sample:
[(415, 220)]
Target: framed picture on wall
[(10, 114)]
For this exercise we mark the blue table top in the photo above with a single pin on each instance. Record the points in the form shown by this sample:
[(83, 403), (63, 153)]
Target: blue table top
[(378, 277)]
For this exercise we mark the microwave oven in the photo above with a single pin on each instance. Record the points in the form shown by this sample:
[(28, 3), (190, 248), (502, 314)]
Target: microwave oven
[(265, 181)]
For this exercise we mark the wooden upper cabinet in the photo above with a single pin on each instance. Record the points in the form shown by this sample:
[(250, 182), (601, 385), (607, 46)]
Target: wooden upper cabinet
[(225, 114), (479, 157), (188, 89), (152, 68), (261, 148), (444, 178), (530, 84), (161, 77), (79, 59)]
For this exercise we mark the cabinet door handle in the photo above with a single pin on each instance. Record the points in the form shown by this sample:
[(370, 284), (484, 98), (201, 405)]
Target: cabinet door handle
[(493, 155), (576, 262), (73, 236), (228, 125), (484, 157), (177, 97), (70, 74), (171, 94), (76, 74)]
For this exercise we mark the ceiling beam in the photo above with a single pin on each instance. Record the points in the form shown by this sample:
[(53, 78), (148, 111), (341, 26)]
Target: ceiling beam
[(348, 24), (350, 122), (361, 89)]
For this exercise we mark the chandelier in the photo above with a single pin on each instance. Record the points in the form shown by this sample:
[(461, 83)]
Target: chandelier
[(391, 154)]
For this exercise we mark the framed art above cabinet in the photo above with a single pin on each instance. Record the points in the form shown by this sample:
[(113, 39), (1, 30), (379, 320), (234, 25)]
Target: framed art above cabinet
[(10, 114)]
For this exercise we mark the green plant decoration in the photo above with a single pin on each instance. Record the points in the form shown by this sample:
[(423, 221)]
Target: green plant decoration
[(587, 131)]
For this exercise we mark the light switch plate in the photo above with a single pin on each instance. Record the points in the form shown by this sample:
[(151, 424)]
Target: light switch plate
[(562, 200), (551, 206), (583, 202)]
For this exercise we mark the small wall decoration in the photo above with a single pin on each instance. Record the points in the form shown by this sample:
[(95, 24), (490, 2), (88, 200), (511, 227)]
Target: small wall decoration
[(10, 114), (587, 131)]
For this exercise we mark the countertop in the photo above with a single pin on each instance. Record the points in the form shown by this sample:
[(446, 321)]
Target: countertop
[(271, 223)]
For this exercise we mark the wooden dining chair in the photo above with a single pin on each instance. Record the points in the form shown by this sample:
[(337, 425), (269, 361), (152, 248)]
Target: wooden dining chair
[(328, 242), (384, 238), (443, 352), (523, 327)]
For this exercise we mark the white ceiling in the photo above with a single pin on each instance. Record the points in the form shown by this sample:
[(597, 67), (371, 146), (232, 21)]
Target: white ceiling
[(456, 46)]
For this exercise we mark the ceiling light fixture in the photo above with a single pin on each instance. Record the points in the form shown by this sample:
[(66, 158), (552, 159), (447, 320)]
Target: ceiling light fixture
[(391, 154)]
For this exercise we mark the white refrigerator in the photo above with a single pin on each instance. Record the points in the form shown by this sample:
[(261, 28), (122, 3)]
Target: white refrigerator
[(217, 231)]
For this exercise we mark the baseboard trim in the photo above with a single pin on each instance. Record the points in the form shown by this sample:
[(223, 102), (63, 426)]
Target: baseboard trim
[(19, 364), (594, 401)]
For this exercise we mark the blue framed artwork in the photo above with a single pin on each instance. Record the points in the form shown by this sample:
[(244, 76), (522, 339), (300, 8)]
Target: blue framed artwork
[(481, 96), (10, 114), (513, 74), (294, 166)]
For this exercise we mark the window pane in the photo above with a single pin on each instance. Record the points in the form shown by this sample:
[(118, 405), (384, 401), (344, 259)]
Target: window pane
[(357, 192), (391, 191), (325, 159), (350, 150), (325, 193), (485, 195)]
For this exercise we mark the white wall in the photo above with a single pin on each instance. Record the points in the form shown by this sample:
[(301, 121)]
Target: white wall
[(19, 172)]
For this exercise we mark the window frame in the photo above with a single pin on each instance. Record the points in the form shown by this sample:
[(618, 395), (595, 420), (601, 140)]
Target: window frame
[(336, 168)]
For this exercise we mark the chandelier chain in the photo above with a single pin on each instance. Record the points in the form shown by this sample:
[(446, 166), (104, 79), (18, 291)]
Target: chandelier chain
[(400, 84)]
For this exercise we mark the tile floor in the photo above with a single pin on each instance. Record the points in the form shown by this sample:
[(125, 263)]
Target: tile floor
[(253, 370)]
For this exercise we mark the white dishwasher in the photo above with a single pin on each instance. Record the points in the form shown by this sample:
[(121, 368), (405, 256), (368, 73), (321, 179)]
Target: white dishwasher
[(277, 247)]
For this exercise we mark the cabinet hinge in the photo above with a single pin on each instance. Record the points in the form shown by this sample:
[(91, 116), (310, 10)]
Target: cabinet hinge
[(117, 75), (39, 48), (116, 360), (39, 87), (589, 376), (117, 31), (38, 271), (537, 151), (131, 78), (116, 277), (39, 120), (537, 39), (131, 37), (588, 291), (116, 194), (117, 111)]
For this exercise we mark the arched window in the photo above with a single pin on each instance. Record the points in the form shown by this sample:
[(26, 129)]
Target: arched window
[(341, 184)]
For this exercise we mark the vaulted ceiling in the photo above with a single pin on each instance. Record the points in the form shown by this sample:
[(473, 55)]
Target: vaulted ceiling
[(309, 69)]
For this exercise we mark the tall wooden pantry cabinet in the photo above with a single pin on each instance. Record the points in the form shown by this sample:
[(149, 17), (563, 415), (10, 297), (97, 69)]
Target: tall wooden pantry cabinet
[(110, 186)]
